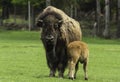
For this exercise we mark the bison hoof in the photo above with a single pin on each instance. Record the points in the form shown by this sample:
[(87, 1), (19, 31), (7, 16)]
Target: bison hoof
[(60, 76), (51, 75), (86, 78), (75, 77), (71, 78)]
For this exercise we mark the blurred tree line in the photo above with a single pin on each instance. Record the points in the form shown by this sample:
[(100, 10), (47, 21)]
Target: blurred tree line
[(97, 17)]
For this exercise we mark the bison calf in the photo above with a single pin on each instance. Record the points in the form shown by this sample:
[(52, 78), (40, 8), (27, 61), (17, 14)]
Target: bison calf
[(77, 52)]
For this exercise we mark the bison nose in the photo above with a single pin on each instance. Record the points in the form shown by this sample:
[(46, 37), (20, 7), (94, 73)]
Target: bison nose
[(49, 38)]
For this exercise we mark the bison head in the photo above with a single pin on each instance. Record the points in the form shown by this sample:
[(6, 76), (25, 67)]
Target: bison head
[(50, 29)]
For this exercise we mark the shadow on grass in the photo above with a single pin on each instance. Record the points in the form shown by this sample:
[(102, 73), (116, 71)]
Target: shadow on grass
[(41, 76), (56, 77), (46, 76)]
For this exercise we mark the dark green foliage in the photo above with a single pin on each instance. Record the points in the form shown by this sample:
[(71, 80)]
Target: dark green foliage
[(85, 11)]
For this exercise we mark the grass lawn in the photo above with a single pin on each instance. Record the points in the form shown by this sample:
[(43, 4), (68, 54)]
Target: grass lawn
[(22, 59)]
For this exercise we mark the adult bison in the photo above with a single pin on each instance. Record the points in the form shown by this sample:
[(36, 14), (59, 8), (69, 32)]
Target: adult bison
[(58, 30)]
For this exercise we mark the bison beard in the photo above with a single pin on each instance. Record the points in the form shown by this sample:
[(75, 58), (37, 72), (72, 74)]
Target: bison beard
[(58, 30)]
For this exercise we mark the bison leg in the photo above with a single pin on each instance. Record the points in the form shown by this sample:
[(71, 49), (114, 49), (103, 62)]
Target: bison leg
[(71, 70), (61, 70), (76, 69), (73, 66), (52, 72), (52, 69), (85, 69)]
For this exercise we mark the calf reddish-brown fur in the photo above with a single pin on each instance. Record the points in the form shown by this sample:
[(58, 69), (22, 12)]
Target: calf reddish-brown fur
[(77, 51)]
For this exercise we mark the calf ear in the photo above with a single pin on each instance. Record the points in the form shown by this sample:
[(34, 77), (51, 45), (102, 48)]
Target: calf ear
[(39, 23), (60, 23)]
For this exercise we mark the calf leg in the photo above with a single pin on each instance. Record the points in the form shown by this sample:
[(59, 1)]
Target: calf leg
[(73, 67), (71, 70), (85, 69), (76, 69)]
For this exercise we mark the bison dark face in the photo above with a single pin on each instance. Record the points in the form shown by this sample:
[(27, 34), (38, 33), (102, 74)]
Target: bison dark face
[(50, 30)]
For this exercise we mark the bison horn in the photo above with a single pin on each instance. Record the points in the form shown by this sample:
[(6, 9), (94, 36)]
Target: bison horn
[(39, 23), (60, 21), (40, 20)]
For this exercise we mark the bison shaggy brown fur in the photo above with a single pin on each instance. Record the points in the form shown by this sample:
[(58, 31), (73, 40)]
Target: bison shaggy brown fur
[(58, 30), (77, 52)]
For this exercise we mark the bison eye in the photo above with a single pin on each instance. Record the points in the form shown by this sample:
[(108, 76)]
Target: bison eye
[(60, 23), (56, 26)]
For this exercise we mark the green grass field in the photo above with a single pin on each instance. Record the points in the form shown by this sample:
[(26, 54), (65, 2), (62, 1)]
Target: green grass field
[(22, 59)]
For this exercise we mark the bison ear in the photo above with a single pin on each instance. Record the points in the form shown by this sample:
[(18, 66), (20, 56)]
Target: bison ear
[(39, 23), (60, 23)]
